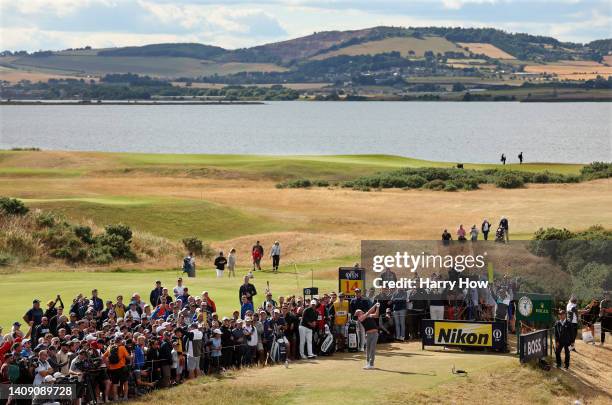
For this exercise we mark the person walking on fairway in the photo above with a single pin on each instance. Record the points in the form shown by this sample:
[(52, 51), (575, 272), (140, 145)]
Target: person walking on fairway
[(503, 223), (520, 156), (485, 228), (275, 252), (503, 159), (257, 252), (220, 263), (231, 263), (368, 321)]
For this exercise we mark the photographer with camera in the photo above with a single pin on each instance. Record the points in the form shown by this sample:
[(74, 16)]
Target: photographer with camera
[(79, 367)]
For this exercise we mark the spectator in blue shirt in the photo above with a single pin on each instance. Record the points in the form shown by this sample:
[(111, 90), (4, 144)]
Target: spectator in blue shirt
[(246, 306)]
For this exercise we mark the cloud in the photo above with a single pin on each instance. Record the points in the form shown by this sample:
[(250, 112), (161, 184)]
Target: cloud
[(53, 24), (457, 4)]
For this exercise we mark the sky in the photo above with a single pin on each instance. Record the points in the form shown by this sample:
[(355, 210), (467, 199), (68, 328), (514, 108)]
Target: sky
[(58, 24)]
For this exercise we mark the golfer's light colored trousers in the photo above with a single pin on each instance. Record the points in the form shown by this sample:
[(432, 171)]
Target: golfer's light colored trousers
[(305, 337), (371, 339)]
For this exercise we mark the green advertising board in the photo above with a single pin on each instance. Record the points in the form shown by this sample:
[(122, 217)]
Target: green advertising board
[(532, 307)]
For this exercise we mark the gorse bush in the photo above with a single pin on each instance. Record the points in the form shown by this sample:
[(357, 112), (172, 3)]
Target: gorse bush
[(584, 255), (198, 247), (509, 180), (452, 179), (596, 170), (303, 183), (12, 206)]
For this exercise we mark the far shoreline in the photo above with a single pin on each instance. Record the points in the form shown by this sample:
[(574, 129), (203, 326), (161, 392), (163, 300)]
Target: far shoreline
[(126, 103)]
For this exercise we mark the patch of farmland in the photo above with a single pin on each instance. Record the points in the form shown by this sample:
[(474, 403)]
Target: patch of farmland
[(486, 49), (153, 66), (573, 70), (406, 46)]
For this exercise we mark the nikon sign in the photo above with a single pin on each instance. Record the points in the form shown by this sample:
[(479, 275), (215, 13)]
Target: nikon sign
[(468, 334)]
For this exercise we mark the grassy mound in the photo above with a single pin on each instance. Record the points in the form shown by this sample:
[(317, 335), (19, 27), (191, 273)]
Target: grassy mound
[(40, 237)]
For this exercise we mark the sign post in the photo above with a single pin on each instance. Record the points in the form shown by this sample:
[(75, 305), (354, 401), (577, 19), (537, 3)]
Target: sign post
[(350, 278), (533, 345)]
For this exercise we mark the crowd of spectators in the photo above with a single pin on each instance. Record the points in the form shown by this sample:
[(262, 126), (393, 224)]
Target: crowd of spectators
[(120, 348)]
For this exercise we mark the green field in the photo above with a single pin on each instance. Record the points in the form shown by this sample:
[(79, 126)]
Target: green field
[(18, 289), (87, 63), (169, 218)]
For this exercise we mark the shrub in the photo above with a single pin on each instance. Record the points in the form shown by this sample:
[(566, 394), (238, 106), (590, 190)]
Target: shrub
[(116, 245), (72, 251), (553, 234), (321, 183), (55, 237), (101, 255), (45, 220), (120, 230), (5, 259), (415, 181), (435, 185), (470, 184), (509, 180), (13, 206), (596, 170), (83, 233), (450, 187), (543, 177), (299, 183), (198, 247), (194, 245)]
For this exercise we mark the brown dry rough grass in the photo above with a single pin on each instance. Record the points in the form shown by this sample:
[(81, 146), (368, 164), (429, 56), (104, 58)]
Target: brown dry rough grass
[(575, 70), (487, 49), (406, 374), (345, 215)]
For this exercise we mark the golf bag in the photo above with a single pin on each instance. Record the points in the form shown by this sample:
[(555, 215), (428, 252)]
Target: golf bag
[(499, 235), (278, 350), (326, 343), (352, 337)]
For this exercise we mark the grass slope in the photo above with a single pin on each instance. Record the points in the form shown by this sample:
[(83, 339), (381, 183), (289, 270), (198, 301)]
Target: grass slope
[(403, 45), (171, 218)]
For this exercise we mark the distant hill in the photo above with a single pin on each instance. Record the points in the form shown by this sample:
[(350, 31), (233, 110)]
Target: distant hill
[(179, 50), (373, 55)]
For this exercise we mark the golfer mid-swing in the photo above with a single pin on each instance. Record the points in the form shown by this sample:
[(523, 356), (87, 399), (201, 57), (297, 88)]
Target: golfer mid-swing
[(368, 321)]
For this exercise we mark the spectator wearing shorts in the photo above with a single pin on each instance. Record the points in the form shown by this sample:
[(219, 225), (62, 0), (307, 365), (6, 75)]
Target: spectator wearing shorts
[(117, 357)]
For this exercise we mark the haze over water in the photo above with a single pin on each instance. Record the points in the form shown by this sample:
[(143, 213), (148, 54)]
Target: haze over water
[(467, 132)]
